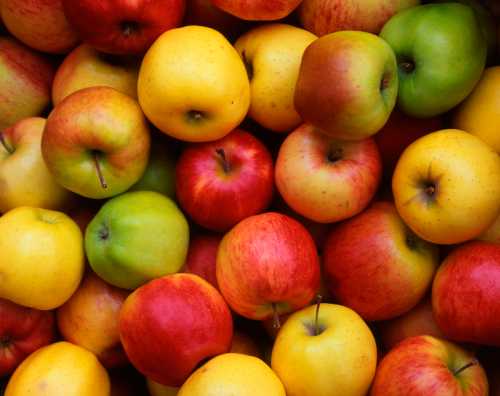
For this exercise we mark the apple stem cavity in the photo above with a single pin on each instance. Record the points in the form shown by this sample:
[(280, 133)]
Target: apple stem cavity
[(407, 66), (5, 145), (128, 28), (473, 362), (225, 163), (317, 330), (99, 171), (276, 317), (334, 155)]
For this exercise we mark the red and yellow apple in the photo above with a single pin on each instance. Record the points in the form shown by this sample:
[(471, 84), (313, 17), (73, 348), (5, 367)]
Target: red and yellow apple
[(258, 10)]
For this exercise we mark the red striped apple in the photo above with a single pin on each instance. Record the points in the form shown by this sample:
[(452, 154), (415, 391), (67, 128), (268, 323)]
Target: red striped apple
[(202, 255), (258, 10)]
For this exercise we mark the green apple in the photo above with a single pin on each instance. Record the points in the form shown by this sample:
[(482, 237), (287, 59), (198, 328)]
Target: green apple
[(136, 237), (441, 53)]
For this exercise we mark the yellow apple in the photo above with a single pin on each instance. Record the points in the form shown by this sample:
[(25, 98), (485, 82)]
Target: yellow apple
[(156, 389), (333, 355), (193, 85), (446, 186), (24, 177), (272, 54)]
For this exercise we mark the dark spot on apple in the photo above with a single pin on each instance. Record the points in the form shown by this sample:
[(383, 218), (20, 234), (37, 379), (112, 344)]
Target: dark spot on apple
[(248, 65), (128, 28), (195, 116), (103, 232), (406, 65), (334, 154), (311, 328)]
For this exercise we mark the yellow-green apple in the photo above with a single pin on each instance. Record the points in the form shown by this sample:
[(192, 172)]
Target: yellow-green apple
[(25, 82), (442, 181), (430, 83), (347, 84), (222, 182), (171, 324), (85, 67), (376, 265), (90, 319), (40, 24), (327, 16), (429, 366), (272, 54), (417, 321), (136, 237), (96, 142), (267, 265), (202, 256), (24, 177), (258, 10), (200, 94), (325, 350), (22, 331), (156, 389), (326, 179), (466, 294), (121, 26)]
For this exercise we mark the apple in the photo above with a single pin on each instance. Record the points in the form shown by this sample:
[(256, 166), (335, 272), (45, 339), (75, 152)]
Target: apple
[(96, 142), (272, 54), (442, 181), (258, 10), (200, 94), (326, 179), (25, 82), (40, 24), (136, 237), (325, 350), (202, 256), (466, 294), (354, 73), (327, 16), (171, 324), (90, 319), (22, 331), (267, 265), (429, 366), (492, 233), (222, 182), (121, 26), (418, 321), (85, 67), (376, 265), (430, 83), (24, 177)]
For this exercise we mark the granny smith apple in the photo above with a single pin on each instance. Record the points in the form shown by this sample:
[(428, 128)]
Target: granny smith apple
[(441, 53), (136, 237)]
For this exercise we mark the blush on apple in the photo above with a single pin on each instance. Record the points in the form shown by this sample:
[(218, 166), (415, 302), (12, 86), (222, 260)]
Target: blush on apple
[(202, 256), (258, 10)]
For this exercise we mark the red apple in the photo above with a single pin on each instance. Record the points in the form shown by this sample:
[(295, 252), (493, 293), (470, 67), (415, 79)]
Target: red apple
[(258, 10), (428, 366), (326, 179), (171, 324), (122, 26), (267, 265), (201, 257), (376, 265), (466, 294), (222, 182), (22, 331)]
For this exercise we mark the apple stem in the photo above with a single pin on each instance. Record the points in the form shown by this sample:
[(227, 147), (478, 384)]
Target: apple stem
[(276, 317), (99, 172), (473, 362), (5, 145), (225, 163), (316, 318)]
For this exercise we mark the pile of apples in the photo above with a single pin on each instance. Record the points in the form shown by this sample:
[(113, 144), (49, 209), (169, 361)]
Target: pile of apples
[(249, 198)]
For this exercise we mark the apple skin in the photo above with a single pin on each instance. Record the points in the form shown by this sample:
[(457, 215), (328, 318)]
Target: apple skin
[(267, 263), (425, 366), (171, 324), (492, 234), (202, 256), (340, 361), (429, 81), (327, 16), (258, 10), (24, 177), (121, 26), (354, 73), (222, 182), (40, 24), (376, 265), (90, 319), (96, 124), (85, 67), (442, 181), (25, 81), (326, 179), (22, 331), (467, 279)]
